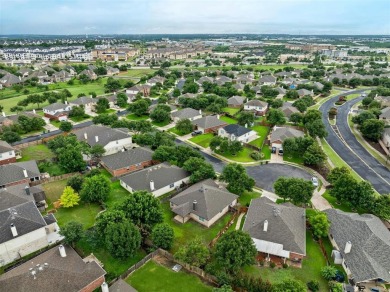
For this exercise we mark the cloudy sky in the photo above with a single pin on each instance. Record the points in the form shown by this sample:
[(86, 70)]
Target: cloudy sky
[(194, 16)]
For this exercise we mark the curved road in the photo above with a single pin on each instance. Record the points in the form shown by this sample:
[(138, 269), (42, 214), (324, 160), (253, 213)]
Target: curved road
[(344, 143)]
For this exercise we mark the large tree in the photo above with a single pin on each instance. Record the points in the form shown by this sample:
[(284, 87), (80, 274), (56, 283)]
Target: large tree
[(72, 231), (289, 285), (105, 218), (246, 118), (194, 253), (381, 207), (234, 250), (237, 178), (102, 105), (298, 190), (95, 189), (316, 128), (69, 197), (163, 235), (320, 224), (372, 129), (336, 173), (276, 117), (314, 155), (66, 126), (122, 239), (75, 182), (160, 115), (143, 209), (71, 160), (184, 126), (139, 107), (199, 169)]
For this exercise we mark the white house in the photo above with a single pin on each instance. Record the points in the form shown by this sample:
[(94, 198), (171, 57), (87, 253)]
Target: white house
[(236, 132), (112, 139), (258, 106), (57, 111), (7, 153), (159, 179)]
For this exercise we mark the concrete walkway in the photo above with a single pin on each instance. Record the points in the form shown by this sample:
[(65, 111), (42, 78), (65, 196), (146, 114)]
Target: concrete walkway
[(319, 202), (239, 221)]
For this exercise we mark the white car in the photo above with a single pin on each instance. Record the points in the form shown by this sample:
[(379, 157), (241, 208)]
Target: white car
[(314, 180)]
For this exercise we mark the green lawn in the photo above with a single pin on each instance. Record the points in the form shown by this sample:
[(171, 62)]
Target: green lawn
[(54, 190), (228, 120), (175, 131), (117, 194), (55, 123), (155, 277), (243, 156), (113, 266), (202, 140), (311, 267), (246, 197), (191, 229), (137, 73), (298, 159), (342, 206), (36, 152), (161, 124), (134, 117), (262, 131), (231, 110), (51, 168)]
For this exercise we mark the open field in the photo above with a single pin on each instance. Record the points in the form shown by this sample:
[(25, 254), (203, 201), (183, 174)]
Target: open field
[(137, 73), (36, 152)]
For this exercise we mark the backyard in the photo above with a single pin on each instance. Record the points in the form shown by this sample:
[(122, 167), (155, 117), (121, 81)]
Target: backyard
[(228, 120), (202, 140), (36, 152), (311, 267), (231, 110), (160, 278)]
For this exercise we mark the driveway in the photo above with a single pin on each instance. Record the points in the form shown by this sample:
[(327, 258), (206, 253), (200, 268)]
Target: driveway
[(265, 175), (350, 150)]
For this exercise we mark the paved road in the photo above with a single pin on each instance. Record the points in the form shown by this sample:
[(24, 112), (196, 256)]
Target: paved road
[(350, 150)]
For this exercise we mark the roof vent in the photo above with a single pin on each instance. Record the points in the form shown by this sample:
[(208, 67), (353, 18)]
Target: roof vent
[(62, 251), (265, 225), (348, 247), (194, 203), (25, 172)]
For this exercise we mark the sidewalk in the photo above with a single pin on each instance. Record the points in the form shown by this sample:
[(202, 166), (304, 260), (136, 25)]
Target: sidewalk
[(319, 202)]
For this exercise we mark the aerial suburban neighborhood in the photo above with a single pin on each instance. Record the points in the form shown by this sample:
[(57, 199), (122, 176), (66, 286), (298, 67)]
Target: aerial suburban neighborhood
[(194, 161)]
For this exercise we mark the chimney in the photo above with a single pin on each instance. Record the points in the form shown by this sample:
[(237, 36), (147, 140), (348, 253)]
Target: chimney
[(85, 136), (194, 203), (4, 114), (218, 117), (96, 139), (13, 230), (200, 112), (348, 247), (265, 228), (104, 287), (25, 172), (62, 251), (152, 185), (27, 189)]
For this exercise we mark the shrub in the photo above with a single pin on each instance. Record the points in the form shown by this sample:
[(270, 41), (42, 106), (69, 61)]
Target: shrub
[(328, 272), (256, 155), (272, 265), (261, 263), (313, 286), (285, 266)]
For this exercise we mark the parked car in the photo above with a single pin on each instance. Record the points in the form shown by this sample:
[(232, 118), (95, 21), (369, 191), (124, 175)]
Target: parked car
[(280, 151), (273, 150), (314, 180), (196, 133)]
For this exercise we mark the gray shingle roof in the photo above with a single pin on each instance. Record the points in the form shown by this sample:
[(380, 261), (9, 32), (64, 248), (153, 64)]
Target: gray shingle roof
[(55, 106), (14, 172), (256, 102), (210, 200), (385, 114), (63, 274), (370, 253), (303, 92), (5, 147), (267, 78), (236, 100), (236, 130), (286, 224), (84, 100), (121, 286), (162, 175), (186, 113), (105, 134), (36, 192), (127, 158), (208, 122), (283, 133)]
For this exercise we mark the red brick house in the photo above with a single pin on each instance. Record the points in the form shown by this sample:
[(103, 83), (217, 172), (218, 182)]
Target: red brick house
[(128, 161), (19, 173), (7, 153), (208, 124)]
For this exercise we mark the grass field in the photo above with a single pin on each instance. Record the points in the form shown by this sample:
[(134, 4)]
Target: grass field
[(230, 110), (134, 117), (137, 73), (243, 156), (255, 67), (228, 120), (311, 267), (246, 197), (298, 159), (155, 277), (202, 140), (161, 124), (36, 152), (80, 119), (262, 132), (175, 131), (186, 232)]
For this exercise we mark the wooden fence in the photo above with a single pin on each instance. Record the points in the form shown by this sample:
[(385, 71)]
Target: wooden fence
[(53, 178), (25, 145), (225, 228)]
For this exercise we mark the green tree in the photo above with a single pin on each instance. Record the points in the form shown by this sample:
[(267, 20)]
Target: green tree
[(159, 115), (10, 136), (313, 285), (290, 285), (320, 224), (66, 126), (69, 198), (381, 206), (296, 118), (143, 209), (176, 92), (73, 232), (112, 85), (314, 155), (246, 118), (139, 107), (316, 129), (328, 272), (102, 105), (199, 169), (163, 235), (75, 182), (16, 109), (311, 116), (103, 219), (223, 288), (235, 250), (336, 173), (298, 190), (95, 189), (121, 100), (372, 129), (184, 126), (122, 239), (362, 117), (276, 117), (194, 253), (97, 151), (237, 178), (71, 160)]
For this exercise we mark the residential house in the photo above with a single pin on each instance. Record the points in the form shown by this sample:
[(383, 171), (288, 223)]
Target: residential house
[(221, 80), (89, 73), (259, 107), (204, 202), (156, 79), (186, 113), (203, 79), (159, 179), (282, 92), (23, 229), (361, 245), (239, 133), (384, 100), (120, 286), (112, 139), (61, 76), (239, 86), (127, 161), (386, 137), (319, 85), (14, 119), (19, 173), (144, 89), (59, 269), (7, 153), (57, 111), (10, 79), (385, 115), (208, 124), (87, 102), (35, 194), (288, 109), (153, 106), (302, 92), (277, 229), (111, 71), (267, 80), (279, 134), (236, 101)]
